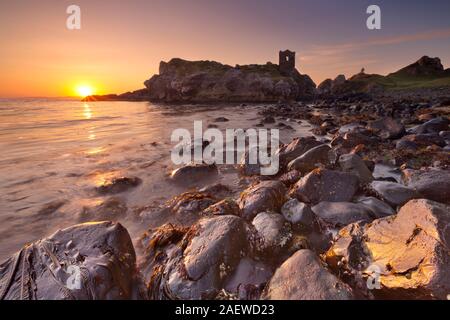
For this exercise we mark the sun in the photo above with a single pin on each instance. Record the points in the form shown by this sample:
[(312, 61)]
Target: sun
[(84, 90)]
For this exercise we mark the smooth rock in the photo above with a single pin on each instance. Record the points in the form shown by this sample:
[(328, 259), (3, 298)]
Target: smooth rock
[(303, 277), (94, 261), (274, 232), (387, 128), (326, 185), (320, 155), (265, 196), (197, 266), (339, 214), (295, 211), (354, 164), (394, 193)]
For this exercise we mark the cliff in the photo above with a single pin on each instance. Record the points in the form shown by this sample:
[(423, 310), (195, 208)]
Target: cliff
[(208, 81)]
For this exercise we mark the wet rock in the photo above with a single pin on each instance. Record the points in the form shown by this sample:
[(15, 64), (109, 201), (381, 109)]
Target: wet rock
[(219, 190), (265, 196), (94, 261), (192, 173), (320, 155), (378, 208), (326, 185), (296, 148), (226, 207), (432, 126), (406, 145), (303, 277), (295, 211), (249, 168), (221, 119), (291, 177), (51, 207), (339, 214), (190, 204), (274, 232), (249, 279), (268, 120), (424, 140), (110, 210), (354, 164), (393, 193), (408, 252), (350, 127), (119, 185), (387, 128), (199, 265), (431, 184)]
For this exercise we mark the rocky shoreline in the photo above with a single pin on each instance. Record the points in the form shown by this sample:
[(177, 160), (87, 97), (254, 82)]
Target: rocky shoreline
[(327, 225)]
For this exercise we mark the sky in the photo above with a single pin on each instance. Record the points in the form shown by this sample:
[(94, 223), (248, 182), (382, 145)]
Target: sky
[(121, 43)]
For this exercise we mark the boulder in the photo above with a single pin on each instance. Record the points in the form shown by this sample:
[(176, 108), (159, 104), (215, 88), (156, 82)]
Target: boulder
[(303, 277), (424, 139), (432, 184), (326, 185), (112, 209), (432, 126), (378, 208), (94, 261), (249, 279), (197, 266), (226, 207), (339, 214), (265, 196), (354, 164), (274, 233), (407, 252), (118, 185), (387, 128), (296, 148), (295, 211), (192, 173), (320, 155), (393, 193)]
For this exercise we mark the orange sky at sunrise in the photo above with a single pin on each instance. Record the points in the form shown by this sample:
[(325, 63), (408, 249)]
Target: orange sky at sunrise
[(121, 43)]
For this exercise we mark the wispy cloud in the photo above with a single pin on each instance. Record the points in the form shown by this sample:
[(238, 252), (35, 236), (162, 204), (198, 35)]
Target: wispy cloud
[(320, 51)]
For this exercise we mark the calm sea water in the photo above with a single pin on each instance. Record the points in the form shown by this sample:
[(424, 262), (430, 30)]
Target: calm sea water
[(53, 153)]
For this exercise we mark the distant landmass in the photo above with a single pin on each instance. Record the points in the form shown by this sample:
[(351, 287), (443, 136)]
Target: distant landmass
[(425, 73), (182, 81)]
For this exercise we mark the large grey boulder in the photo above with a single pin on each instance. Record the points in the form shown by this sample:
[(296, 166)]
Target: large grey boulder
[(296, 148), (94, 261), (303, 277), (326, 185), (354, 164), (194, 264), (393, 193), (387, 128), (274, 232), (320, 155), (339, 214), (431, 184)]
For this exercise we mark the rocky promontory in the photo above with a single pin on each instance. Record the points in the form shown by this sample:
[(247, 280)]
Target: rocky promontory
[(182, 81)]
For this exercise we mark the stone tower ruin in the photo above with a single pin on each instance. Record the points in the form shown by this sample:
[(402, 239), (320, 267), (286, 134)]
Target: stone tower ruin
[(287, 62)]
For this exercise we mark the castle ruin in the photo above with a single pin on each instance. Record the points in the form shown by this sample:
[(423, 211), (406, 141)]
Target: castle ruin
[(287, 62)]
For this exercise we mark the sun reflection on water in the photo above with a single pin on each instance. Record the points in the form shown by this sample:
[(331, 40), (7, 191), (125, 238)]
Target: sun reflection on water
[(87, 111)]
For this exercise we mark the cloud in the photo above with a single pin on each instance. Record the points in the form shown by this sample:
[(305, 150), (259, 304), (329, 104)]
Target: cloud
[(320, 51)]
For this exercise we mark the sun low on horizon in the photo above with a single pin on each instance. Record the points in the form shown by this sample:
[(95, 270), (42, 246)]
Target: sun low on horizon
[(84, 90)]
